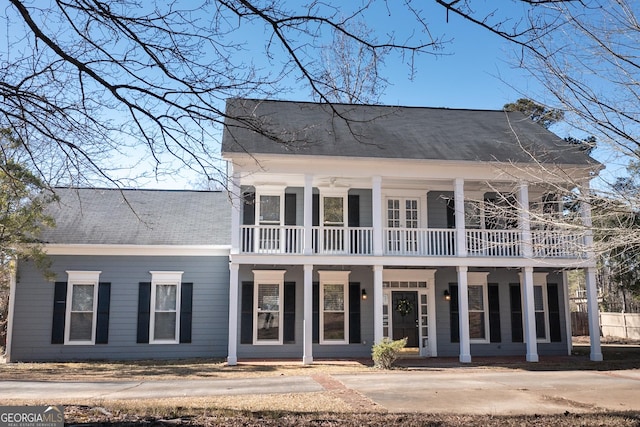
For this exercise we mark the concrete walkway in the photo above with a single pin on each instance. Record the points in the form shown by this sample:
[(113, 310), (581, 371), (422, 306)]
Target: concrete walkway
[(461, 390)]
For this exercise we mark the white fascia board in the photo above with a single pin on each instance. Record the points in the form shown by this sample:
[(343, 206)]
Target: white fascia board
[(396, 261), (137, 250), (410, 168)]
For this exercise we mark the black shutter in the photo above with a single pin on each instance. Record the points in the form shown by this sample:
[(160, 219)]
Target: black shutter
[(316, 312), (454, 315), (249, 209), (144, 312), (554, 313), (186, 312), (354, 313), (246, 313), (290, 209), (451, 214), (289, 331), (59, 312), (102, 318), (353, 210), (494, 313), (517, 334), (315, 210)]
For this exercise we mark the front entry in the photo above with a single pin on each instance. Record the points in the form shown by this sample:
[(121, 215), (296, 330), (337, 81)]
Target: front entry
[(404, 318)]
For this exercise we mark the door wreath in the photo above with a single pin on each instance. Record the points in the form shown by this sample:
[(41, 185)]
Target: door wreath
[(403, 306)]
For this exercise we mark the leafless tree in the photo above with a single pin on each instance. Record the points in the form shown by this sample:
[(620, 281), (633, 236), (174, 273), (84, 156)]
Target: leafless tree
[(90, 85)]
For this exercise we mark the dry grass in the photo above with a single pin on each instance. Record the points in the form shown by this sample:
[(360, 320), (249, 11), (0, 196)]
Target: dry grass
[(150, 370)]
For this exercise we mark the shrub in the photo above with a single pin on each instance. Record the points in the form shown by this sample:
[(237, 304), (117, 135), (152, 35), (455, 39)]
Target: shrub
[(386, 352)]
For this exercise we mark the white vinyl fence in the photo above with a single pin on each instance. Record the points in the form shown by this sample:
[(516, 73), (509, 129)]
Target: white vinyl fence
[(621, 325)]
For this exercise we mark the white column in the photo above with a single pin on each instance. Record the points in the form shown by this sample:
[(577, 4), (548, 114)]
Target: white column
[(461, 238), (308, 215), (232, 353), (590, 275), (567, 311), (594, 314), (236, 208), (307, 338), (524, 220), (529, 314), (378, 228), (378, 302), (463, 312)]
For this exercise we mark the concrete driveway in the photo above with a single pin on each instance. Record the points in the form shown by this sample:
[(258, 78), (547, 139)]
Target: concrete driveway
[(459, 390)]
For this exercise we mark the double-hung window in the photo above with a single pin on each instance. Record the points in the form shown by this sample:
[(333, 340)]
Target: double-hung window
[(82, 303), (478, 307), (164, 325), (540, 306), (268, 303), (334, 303)]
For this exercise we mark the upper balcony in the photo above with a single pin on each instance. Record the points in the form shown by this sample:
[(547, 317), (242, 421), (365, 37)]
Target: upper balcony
[(407, 218)]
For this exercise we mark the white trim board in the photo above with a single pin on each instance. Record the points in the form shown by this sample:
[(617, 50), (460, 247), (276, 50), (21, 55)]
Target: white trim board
[(137, 250)]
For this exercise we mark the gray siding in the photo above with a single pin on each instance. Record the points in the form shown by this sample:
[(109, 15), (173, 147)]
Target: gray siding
[(360, 274), (503, 277), (34, 308), (366, 206)]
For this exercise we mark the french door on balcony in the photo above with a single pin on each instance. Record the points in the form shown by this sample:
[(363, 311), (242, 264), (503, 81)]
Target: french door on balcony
[(403, 223)]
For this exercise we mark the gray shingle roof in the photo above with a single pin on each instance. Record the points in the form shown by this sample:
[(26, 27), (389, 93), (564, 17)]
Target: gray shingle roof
[(139, 217), (393, 132)]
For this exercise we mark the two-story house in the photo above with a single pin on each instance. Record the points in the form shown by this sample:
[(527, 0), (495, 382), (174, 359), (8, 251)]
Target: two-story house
[(343, 224)]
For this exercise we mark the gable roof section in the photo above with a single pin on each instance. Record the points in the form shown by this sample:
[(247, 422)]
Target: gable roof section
[(139, 217), (392, 132)]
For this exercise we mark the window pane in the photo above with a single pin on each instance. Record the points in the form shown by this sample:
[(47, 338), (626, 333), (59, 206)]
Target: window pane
[(82, 298), (166, 297), (333, 210), (269, 326), (476, 325), (268, 297), (270, 209), (333, 298), (81, 326), (538, 301), (333, 326), (476, 300), (165, 326)]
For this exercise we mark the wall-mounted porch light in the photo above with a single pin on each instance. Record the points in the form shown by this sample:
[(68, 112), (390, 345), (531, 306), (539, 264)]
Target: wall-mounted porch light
[(447, 295), (364, 294)]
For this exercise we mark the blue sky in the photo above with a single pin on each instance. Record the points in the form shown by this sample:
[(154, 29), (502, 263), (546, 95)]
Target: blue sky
[(475, 70)]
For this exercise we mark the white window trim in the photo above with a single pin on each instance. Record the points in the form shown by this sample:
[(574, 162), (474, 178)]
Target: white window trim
[(164, 278), (334, 278), (539, 279), (81, 278), (269, 190), (342, 193), (268, 277), (480, 279)]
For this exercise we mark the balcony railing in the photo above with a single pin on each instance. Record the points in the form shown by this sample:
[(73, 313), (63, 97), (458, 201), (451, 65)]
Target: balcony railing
[(493, 243), (432, 242)]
